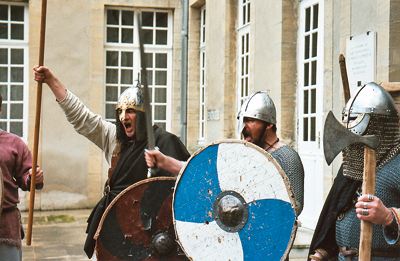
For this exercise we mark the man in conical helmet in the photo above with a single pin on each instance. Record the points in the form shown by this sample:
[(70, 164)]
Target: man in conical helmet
[(123, 143), (257, 124), (371, 111)]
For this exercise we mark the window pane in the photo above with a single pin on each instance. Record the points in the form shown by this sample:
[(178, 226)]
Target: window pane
[(127, 59), (147, 36), (3, 31), (314, 44), (3, 56), (313, 100), (305, 131), (111, 93), (307, 47), (16, 111), (16, 128), (17, 74), (3, 124), (147, 18), (161, 60), (127, 18), (161, 78), (4, 12), (3, 91), (17, 93), (111, 76), (248, 13), (3, 74), (3, 114), (127, 35), (160, 95), (161, 19), (126, 76), (112, 17), (315, 17), (161, 37), (112, 58), (305, 107), (112, 35), (110, 111), (161, 125), (160, 112), (306, 72), (308, 13), (312, 131), (314, 72), (17, 13), (17, 31), (149, 59), (17, 56)]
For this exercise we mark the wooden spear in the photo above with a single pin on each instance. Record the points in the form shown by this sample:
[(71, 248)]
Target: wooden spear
[(37, 124)]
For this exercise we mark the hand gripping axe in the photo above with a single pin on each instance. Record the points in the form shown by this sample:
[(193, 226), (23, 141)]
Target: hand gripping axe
[(336, 138)]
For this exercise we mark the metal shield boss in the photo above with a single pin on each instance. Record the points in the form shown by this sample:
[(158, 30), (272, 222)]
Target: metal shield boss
[(137, 225), (232, 201)]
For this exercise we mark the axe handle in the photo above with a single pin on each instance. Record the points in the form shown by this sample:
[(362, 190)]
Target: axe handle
[(345, 79), (368, 187)]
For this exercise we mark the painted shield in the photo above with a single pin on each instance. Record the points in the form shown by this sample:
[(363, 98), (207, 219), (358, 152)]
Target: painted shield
[(232, 201), (137, 225)]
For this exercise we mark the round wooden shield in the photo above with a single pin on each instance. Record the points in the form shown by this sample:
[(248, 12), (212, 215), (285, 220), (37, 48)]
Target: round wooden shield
[(137, 225), (232, 201)]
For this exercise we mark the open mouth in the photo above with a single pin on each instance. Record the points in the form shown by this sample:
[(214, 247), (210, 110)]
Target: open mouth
[(127, 125)]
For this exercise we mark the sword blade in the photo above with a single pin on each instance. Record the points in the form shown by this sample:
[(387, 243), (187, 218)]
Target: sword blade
[(147, 108)]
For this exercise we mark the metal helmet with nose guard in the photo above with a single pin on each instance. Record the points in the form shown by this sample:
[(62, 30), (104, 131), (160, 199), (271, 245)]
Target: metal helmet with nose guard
[(258, 106)]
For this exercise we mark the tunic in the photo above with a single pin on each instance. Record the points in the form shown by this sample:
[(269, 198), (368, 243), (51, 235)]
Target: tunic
[(15, 163)]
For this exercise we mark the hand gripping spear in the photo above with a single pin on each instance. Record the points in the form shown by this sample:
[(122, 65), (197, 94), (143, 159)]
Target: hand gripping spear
[(333, 146), (37, 124)]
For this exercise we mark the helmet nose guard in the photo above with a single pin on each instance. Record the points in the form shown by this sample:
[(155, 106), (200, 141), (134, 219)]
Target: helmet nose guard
[(258, 106), (370, 99), (131, 98)]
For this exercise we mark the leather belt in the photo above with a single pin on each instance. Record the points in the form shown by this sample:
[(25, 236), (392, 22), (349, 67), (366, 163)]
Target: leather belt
[(388, 253), (5, 210)]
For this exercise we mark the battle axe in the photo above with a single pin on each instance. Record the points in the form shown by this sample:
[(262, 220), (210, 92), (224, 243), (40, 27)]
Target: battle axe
[(336, 138)]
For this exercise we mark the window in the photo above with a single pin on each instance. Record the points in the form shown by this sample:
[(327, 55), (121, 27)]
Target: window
[(202, 74), (14, 85), (122, 63), (243, 51), (310, 65)]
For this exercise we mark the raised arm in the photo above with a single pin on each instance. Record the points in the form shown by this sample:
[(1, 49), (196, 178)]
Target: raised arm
[(44, 75)]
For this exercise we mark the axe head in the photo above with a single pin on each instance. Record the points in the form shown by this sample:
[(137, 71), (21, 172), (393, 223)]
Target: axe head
[(337, 137)]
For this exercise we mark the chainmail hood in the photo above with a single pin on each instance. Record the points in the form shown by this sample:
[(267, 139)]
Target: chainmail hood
[(386, 128)]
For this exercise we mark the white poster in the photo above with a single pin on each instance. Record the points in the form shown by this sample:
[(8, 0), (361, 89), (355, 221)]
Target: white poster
[(361, 60)]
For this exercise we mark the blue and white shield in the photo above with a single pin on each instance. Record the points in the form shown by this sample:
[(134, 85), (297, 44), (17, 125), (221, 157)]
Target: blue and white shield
[(232, 201)]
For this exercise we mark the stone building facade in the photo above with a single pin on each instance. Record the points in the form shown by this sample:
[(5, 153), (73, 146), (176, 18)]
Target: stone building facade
[(208, 55)]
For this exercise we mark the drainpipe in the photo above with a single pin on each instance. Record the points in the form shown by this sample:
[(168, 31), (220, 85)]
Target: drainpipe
[(184, 68)]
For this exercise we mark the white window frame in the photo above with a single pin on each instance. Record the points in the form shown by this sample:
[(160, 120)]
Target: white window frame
[(202, 80), (149, 48), (18, 44), (243, 55)]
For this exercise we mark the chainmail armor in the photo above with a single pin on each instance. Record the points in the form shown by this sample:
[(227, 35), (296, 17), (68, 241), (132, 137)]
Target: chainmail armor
[(384, 127), (291, 164), (388, 191)]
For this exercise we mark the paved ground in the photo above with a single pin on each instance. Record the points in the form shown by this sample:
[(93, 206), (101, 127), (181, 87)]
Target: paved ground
[(60, 235), (56, 235)]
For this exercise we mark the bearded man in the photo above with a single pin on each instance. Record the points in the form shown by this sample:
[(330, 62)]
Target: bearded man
[(124, 141)]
